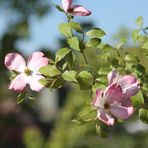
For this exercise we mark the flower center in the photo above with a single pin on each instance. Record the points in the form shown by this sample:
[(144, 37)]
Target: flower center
[(106, 106), (70, 10), (27, 71)]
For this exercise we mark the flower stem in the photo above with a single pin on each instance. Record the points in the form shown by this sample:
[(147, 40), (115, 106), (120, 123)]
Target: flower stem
[(85, 57)]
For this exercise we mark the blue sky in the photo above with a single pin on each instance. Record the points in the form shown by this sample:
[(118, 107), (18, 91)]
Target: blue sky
[(107, 14)]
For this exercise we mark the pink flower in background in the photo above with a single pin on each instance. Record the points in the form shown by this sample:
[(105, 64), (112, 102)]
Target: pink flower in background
[(74, 9), (28, 72), (112, 103), (128, 83)]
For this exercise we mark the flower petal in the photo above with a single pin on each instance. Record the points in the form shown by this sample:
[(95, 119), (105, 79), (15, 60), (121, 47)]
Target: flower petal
[(98, 101), (113, 93), (34, 82), (66, 4), (105, 117), (121, 112), (18, 83), (127, 79), (79, 10), (130, 89), (15, 61), (126, 102), (36, 61), (129, 85), (112, 76)]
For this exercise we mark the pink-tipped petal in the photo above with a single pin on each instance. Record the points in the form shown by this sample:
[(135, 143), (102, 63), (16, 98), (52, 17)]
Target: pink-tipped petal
[(112, 77), (98, 101), (66, 4), (34, 83), (79, 10), (131, 89), (121, 112), (36, 61), (127, 79), (113, 93), (18, 83), (105, 117), (15, 61), (129, 85)]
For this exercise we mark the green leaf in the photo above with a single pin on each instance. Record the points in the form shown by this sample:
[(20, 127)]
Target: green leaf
[(107, 47), (146, 28), (145, 45), (138, 99), (120, 45), (95, 33), (74, 43), (20, 98), (65, 29), (143, 114), (12, 74), (46, 82), (49, 71), (86, 115), (135, 35), (87, 67), (100, 131), (58, 8), (61, 54), (75, 26), (71, 60), (43, 81), (145, 85), (98, 85), (85, 79), (139, 69), (52, 83), (104, 71), (64, 66), (139, 21), (57, 83), (93, 42), (31, 98), (130, 58), (70, 76)]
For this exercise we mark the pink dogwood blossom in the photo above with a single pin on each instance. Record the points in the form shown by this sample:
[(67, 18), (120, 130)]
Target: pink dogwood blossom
[(115, 100), (128, 83), (112, 103), (74, 9), (27, 72)]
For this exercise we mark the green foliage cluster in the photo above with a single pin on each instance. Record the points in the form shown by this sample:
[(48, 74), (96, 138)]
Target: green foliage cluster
[(85, 62), (67, 67)]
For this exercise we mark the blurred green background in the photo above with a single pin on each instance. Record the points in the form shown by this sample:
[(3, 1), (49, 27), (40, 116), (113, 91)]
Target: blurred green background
[(46, 122)]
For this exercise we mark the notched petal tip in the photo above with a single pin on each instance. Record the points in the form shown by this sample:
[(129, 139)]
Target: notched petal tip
[(121, 112), (105, 118), (128, 79), (79, 10), (130, 111), (131, 89), (14, 61)]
